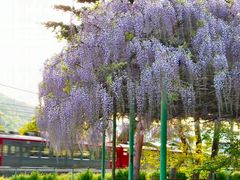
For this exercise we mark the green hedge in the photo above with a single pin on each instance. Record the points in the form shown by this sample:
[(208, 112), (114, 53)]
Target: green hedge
[(87, 175), (156, 176), (236, 176), (120, 175)]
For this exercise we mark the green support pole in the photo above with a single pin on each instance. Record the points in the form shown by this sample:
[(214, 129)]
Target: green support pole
[(72, 174), (103, 154), (114, 138), (131, 141), (163, 150)]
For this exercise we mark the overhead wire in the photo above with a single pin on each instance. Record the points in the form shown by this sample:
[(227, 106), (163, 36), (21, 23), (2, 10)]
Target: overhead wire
[(16, 106), (19, 89)]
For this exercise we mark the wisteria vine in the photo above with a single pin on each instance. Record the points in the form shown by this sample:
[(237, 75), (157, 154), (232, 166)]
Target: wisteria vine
[(132, 51)]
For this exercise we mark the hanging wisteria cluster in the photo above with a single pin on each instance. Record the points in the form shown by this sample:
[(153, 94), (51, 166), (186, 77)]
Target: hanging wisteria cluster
[(190, 48)]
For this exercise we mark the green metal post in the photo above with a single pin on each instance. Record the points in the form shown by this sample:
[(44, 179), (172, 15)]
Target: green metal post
[(103, 153), (163, 150), (15, 173), (131, 141), (72, 174), (114, 138)]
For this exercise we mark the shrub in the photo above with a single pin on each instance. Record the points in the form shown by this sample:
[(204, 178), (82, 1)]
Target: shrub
[(235, 176), (108, 176), (181, 175), (64, 176), (121, 175), (125, 173), (96, 176), (19, 177), (142, 175), (221, 176), (49, 177), (87, 175), (154, 176), (34, 176)]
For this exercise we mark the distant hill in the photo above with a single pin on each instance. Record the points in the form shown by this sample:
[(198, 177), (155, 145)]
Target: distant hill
[(13, 113)]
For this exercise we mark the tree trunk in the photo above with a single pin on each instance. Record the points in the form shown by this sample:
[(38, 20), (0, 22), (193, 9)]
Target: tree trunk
[(173, 173), (183, 139), (138, 149), (185, 146), (195, 176), (216, 138), (215, 145)]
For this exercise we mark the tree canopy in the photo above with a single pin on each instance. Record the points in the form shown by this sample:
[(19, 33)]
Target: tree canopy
[(30, 127), (133, 51)]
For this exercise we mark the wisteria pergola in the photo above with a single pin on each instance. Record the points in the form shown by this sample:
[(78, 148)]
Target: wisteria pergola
[(126, 58)]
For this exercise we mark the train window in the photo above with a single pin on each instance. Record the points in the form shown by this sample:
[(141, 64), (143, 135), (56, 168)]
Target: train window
[(34, 151), (86, 154), (5, 149), (17, 151), (76, 154), (25, 151), (63, 153), (45, 152), (12, 150)]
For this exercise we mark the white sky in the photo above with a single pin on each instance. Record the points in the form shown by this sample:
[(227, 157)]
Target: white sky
[(25, 44)]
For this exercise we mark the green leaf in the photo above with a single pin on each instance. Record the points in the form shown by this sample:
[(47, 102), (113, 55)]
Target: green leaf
[(67, 89), (128, 36), (109, 79)]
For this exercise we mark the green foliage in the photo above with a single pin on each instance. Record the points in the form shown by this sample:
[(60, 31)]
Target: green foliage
[(96, 5), (64, 176), (19, 177), (236, 176), (50, 95), (107, 176), (49, 177), (181, 175), (35, 176), (182, 2), (107, 72), (2, 128), (12, 113), (111, 68), (98, 176), (150, 159), (128, 36), (154, 176), (29, 127), (64, 67), (67, 89), (87, 175), (200, 23), (62, 31), (142, 175), (173, 97), (121, 174), (221, 176)]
